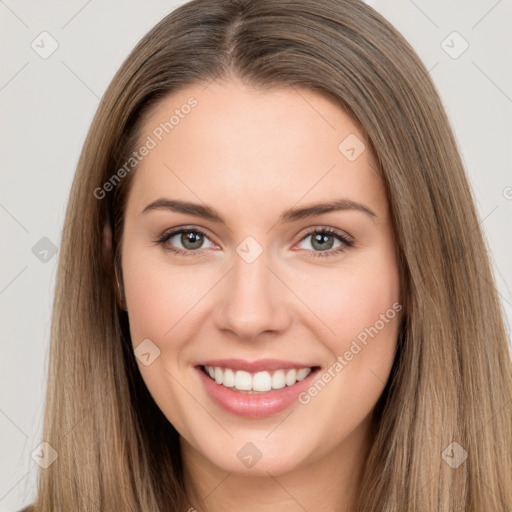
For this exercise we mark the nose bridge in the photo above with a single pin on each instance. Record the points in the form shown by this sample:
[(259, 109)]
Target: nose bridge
[(253, 298)]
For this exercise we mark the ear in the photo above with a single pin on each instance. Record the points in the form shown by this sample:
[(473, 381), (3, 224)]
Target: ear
[(109, 257), (107, 238)]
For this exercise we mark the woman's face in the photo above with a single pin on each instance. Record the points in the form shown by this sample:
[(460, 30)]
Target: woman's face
[(296, 302)]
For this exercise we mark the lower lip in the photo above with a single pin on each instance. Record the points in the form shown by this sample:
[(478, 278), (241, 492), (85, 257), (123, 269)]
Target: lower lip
[(254, 405)]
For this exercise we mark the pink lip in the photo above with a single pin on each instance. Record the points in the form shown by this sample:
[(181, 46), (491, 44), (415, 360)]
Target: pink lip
[(260, 365), (254, 405)]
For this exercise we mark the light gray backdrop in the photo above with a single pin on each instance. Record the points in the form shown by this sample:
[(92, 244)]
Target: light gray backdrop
[(50, 85)]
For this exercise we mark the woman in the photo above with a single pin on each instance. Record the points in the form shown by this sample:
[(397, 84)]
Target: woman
[(207, 352)]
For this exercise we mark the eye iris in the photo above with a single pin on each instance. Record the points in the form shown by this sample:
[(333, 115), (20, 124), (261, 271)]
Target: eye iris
[(321, 239), (193, 238)]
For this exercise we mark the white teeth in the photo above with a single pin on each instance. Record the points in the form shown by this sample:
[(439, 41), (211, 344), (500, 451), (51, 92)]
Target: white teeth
[(243, 380), (228, 378), (259, 381), (278, 380), (303, 373), (262, 382), (291, 377)]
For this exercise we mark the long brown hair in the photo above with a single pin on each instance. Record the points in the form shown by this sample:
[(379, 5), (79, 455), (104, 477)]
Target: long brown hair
[(451, 381)]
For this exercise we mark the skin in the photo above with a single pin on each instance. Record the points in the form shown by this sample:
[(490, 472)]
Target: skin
[(266, 151)]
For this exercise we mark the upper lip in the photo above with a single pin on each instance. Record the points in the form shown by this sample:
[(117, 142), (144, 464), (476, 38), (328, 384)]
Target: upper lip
[(255, 366)]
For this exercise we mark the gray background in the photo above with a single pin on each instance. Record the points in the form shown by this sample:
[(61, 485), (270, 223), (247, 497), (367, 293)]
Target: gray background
[(47, 106)]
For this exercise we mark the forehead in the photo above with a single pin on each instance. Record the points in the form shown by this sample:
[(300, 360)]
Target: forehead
[(253, 147)]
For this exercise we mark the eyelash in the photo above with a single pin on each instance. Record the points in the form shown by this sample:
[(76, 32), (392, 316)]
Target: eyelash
[(165, 237)]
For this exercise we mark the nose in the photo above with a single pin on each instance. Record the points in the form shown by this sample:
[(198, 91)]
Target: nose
[(253, 300)]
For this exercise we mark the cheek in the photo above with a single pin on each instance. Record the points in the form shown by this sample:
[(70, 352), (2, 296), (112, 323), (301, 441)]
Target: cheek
[(160, 300), (360, 308), (158, 294), (351, 300), (362, 311)]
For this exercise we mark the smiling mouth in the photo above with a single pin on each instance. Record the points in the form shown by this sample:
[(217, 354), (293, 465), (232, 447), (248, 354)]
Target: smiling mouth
[(256, 382)]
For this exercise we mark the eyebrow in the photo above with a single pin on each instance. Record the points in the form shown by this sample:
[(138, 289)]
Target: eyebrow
[(291, 215)]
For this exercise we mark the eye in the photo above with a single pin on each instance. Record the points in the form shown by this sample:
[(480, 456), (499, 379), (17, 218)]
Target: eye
[(322, 242), (191, 240)]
